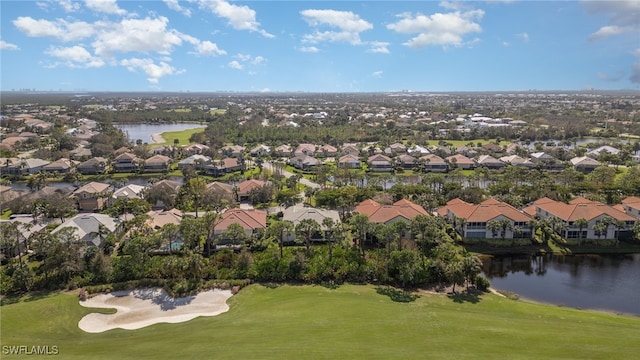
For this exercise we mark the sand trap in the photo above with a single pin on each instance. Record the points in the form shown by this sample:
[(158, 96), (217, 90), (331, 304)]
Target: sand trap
[(139, 308)]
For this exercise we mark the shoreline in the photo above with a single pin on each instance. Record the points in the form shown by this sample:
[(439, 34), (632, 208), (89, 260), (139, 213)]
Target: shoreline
[(157, 138)]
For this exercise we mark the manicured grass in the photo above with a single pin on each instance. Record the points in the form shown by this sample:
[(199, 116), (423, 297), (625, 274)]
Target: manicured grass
[(182, 136), (349, 322)]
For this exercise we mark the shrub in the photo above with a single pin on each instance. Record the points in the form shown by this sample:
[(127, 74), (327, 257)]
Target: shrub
[(481, 283)]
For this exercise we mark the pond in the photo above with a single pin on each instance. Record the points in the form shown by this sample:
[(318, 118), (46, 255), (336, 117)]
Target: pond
[(144, 131), (597, 282)]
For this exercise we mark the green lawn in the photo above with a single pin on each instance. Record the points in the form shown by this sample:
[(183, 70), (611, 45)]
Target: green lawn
[(182, 136), (350, 322)]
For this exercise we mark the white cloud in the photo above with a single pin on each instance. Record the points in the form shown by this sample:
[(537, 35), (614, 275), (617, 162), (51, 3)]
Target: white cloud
[(68, 5), (379, 47), (8, 46), (75, 56), (174, 5), (258, 60), (59, 29), (349, 26), (523, 36), (446, 29), (239, 17), (136, 35), (506, 44), (309, 49), (265, 90), (207, 48), (235, 65), (242, 57), (104, 6), (153, 71), (377, 74), (623, 17)]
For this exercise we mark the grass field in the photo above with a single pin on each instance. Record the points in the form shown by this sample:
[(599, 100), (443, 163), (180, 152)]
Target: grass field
[(182, 136), (349, 322)]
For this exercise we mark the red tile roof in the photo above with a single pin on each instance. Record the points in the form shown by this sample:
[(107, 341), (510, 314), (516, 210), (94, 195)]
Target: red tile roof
[(248, 219), (483, 212), (579, 208), (379, 213), (246, 186)]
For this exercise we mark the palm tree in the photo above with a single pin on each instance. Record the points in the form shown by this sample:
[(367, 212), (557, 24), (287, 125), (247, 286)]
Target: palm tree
[(580, 224), (306, 229), (279, 229), (494, 226), (360, 225)]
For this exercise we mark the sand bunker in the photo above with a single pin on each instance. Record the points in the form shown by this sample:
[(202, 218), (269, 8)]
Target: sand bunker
[(139, 308)]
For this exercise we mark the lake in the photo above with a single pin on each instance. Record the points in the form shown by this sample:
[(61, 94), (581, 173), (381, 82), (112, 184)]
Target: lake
[(144, 131), (597, 282)]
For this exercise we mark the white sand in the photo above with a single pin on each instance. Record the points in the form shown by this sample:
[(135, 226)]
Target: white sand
[(157, 138), (139, 308)]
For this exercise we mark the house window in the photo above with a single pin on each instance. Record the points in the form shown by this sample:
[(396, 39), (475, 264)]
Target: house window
[(476, 226)]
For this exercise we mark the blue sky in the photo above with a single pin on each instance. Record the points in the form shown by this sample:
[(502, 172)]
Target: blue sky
[(319, 46)]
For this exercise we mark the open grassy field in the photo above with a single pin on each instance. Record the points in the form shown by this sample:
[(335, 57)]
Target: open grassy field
[(182, 136), (349, 322)]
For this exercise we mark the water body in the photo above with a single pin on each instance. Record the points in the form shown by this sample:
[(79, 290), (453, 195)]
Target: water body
[(596, 282), (144, 131)]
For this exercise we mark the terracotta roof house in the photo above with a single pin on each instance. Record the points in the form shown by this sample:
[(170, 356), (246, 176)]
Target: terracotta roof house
[(351, 149), (307, 149), (460, 161), (126, 162), (96, 165), (60, 166), (379, 163), (516, 160), (195, 161), (433, 163), (580, 208), (157, 163), (224, 166), (250, 220), (245, 187), (401, 210), (88, 227), (165, 186), (349, 161), (327, 150), (489, 162), (92, 196), (631, 205), (584, 164), (195, 149), (297, 213), (477, 216)]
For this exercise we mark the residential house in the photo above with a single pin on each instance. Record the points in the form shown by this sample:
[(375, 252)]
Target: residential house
[(401, 210), (417, 150), (297, 213), (60, 166), (92, 196), (129, 191), (224, 166), (157, 163), (165, 150), (236, 151), (217, 191), (284, 151), (196, 161), (631, 205), (489, 162), (379, 163), (396, 148), (477, 219), (96, 165), (327, 150), (584, 163), (606, 149), (460, 161), (260, 151), (546, 161), (516, 160), (126, 162), (350, 149), (159, 218), (195, 149), (349, 161), (91, 228), (251, 221), (406, 161), (166, 186), (306, 149), (245, 188), (304, 162), (24, 166), (595, 213), (433, 163)]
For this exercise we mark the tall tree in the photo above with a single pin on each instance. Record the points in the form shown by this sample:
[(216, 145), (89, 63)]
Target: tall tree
[(306, 228)]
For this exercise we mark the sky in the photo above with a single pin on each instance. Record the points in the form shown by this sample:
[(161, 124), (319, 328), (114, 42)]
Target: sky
[(319, 46)]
